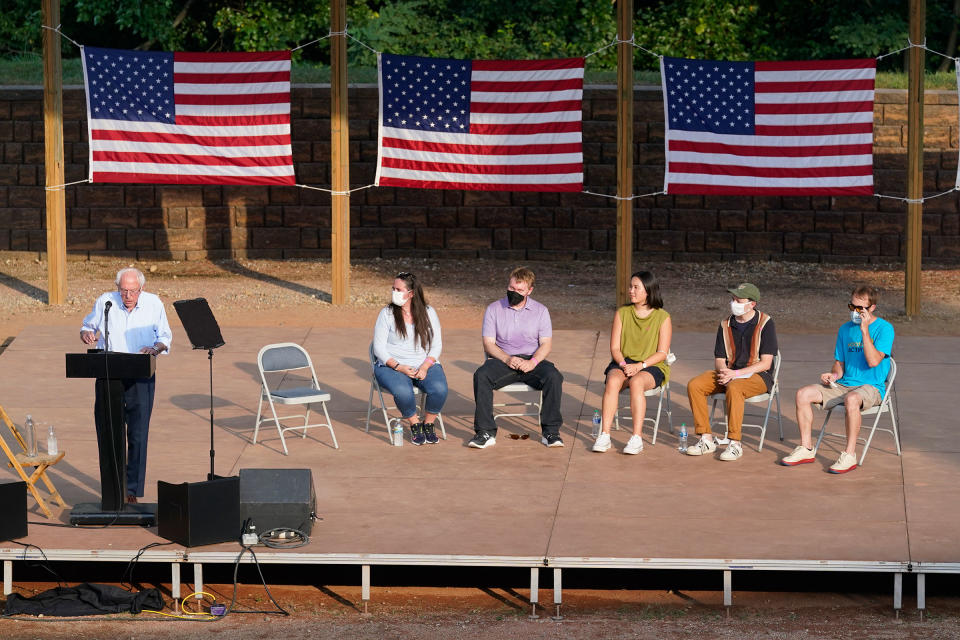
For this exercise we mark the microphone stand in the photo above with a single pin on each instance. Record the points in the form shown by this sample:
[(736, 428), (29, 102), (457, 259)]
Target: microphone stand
[(106, 327)]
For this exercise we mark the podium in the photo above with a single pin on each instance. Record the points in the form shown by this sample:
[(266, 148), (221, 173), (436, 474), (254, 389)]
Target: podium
[(109, 369)]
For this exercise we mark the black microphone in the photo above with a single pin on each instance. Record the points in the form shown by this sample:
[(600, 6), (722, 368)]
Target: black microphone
[(106, 325)]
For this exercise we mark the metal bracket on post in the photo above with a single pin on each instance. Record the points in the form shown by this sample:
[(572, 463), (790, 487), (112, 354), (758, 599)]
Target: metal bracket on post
[(557, 592), (175, 582), (365, 588), (921, 593), (534, 591), (198, 580), (728, 590), (7, 577), (897, 593)]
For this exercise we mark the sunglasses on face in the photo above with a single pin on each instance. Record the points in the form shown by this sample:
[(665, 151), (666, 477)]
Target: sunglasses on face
[(519, 436), (856, 307)]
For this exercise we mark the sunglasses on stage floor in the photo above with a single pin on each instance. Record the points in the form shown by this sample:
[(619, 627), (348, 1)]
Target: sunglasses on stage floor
[(518, 436)]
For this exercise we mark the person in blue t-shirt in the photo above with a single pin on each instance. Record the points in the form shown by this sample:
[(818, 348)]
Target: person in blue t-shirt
[(857, 379)]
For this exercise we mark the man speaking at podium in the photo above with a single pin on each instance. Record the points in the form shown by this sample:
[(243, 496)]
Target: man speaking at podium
[(137, 324)]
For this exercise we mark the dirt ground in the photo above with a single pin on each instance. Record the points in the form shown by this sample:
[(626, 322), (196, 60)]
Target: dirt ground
[(453, 613), (802, 298)]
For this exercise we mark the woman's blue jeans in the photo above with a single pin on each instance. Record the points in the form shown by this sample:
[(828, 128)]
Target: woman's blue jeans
[(401, 386)]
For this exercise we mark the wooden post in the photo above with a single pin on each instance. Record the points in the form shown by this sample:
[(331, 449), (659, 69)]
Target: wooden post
[(340, 157), (53, 156), (914, 228), (624, 147)]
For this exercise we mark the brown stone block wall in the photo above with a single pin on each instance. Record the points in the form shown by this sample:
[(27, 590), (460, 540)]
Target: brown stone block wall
[(197, 222)]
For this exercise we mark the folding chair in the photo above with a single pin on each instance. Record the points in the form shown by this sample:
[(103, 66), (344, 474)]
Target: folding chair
[(513, 389), (661, 391), (387, 420), (40, 463), (886, 406), (282, 358), (763, 398)]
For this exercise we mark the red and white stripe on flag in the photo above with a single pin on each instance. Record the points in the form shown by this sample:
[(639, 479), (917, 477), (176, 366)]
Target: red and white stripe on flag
[(811, 131), (189, 118), (494, 125)]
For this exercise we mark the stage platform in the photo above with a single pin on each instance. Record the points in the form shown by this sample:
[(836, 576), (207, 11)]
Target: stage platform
[(517, 504)]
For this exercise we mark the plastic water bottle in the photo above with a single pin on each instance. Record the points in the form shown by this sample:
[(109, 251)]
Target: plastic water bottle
[(398, 435), (30, 433), (683, 438), (52, 442), (596, 423)]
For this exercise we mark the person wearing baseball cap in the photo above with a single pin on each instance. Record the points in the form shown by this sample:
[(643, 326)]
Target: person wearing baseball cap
[(744, 350)]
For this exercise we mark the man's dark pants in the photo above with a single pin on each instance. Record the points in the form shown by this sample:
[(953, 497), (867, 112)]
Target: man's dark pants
[(137, 407), (494, 374)]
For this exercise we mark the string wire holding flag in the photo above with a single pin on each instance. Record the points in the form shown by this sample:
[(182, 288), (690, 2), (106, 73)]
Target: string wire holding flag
[(631, 197), (917, 200), (61, 187), (332, 192), (61, 34), (617, 41)]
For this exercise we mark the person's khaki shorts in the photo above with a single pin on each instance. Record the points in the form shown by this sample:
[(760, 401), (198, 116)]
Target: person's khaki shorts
[(832, 396)]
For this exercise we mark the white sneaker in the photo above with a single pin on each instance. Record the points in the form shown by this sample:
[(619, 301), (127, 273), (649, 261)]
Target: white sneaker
[(602, 443), (634, 445), (732, 452), (846, 462), (702, 447)]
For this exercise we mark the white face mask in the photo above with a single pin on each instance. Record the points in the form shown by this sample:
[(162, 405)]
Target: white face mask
[(398, 297), (855, 317), (738, 308)]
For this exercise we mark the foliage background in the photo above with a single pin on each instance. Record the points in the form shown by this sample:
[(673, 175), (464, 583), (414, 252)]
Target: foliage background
[(723, 29)]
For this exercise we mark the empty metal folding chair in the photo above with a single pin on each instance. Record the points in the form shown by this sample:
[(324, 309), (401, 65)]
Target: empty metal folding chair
[(282, 358)]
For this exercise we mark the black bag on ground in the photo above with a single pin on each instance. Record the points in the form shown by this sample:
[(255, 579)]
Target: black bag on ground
[(84, 600)]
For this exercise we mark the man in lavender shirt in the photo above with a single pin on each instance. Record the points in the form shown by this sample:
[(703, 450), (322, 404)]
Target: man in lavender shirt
[(517, 337)]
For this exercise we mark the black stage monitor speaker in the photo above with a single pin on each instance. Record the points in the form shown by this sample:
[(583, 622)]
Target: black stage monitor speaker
[(198, 513), (274, 498), (13, 510)]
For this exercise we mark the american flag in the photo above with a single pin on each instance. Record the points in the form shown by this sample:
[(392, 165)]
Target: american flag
[(188, 118), (492, 125), (769, 128)]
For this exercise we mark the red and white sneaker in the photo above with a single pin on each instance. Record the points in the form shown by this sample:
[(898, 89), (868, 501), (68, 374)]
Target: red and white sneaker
[(800, 455), (846, 462)]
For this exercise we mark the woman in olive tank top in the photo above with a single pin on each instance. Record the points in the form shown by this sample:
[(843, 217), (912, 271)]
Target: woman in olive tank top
[(639, 344)]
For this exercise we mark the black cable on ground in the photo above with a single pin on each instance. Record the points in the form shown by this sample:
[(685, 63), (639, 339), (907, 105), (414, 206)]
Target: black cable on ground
[(233, 599)]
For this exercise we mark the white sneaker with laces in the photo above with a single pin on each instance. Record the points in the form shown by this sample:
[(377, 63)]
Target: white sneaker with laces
[(634, 445), (733, 451), (702, 447), (846, 462), (602, 443)]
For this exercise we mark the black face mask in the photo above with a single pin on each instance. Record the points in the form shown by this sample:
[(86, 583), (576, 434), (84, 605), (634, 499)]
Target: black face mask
[(514, 298)]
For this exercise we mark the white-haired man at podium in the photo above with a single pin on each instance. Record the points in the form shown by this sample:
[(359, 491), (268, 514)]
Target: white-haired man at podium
[(137, 324)]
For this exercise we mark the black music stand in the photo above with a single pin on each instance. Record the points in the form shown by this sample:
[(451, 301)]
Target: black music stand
[(204, 333)]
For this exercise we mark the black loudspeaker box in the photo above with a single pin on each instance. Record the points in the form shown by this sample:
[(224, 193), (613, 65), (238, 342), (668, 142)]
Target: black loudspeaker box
[(198, 513), (274, 498), (13, 510)]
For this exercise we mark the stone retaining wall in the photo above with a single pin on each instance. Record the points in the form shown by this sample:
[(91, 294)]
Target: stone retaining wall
[(193, 222)]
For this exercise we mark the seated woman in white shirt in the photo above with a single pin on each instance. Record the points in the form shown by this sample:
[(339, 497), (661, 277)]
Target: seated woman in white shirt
[(407, 344)]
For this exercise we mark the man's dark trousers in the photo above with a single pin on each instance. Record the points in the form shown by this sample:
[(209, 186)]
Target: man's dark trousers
[(494, 374)]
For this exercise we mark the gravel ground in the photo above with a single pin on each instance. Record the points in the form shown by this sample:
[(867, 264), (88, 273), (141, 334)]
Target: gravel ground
[(803, 298)]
